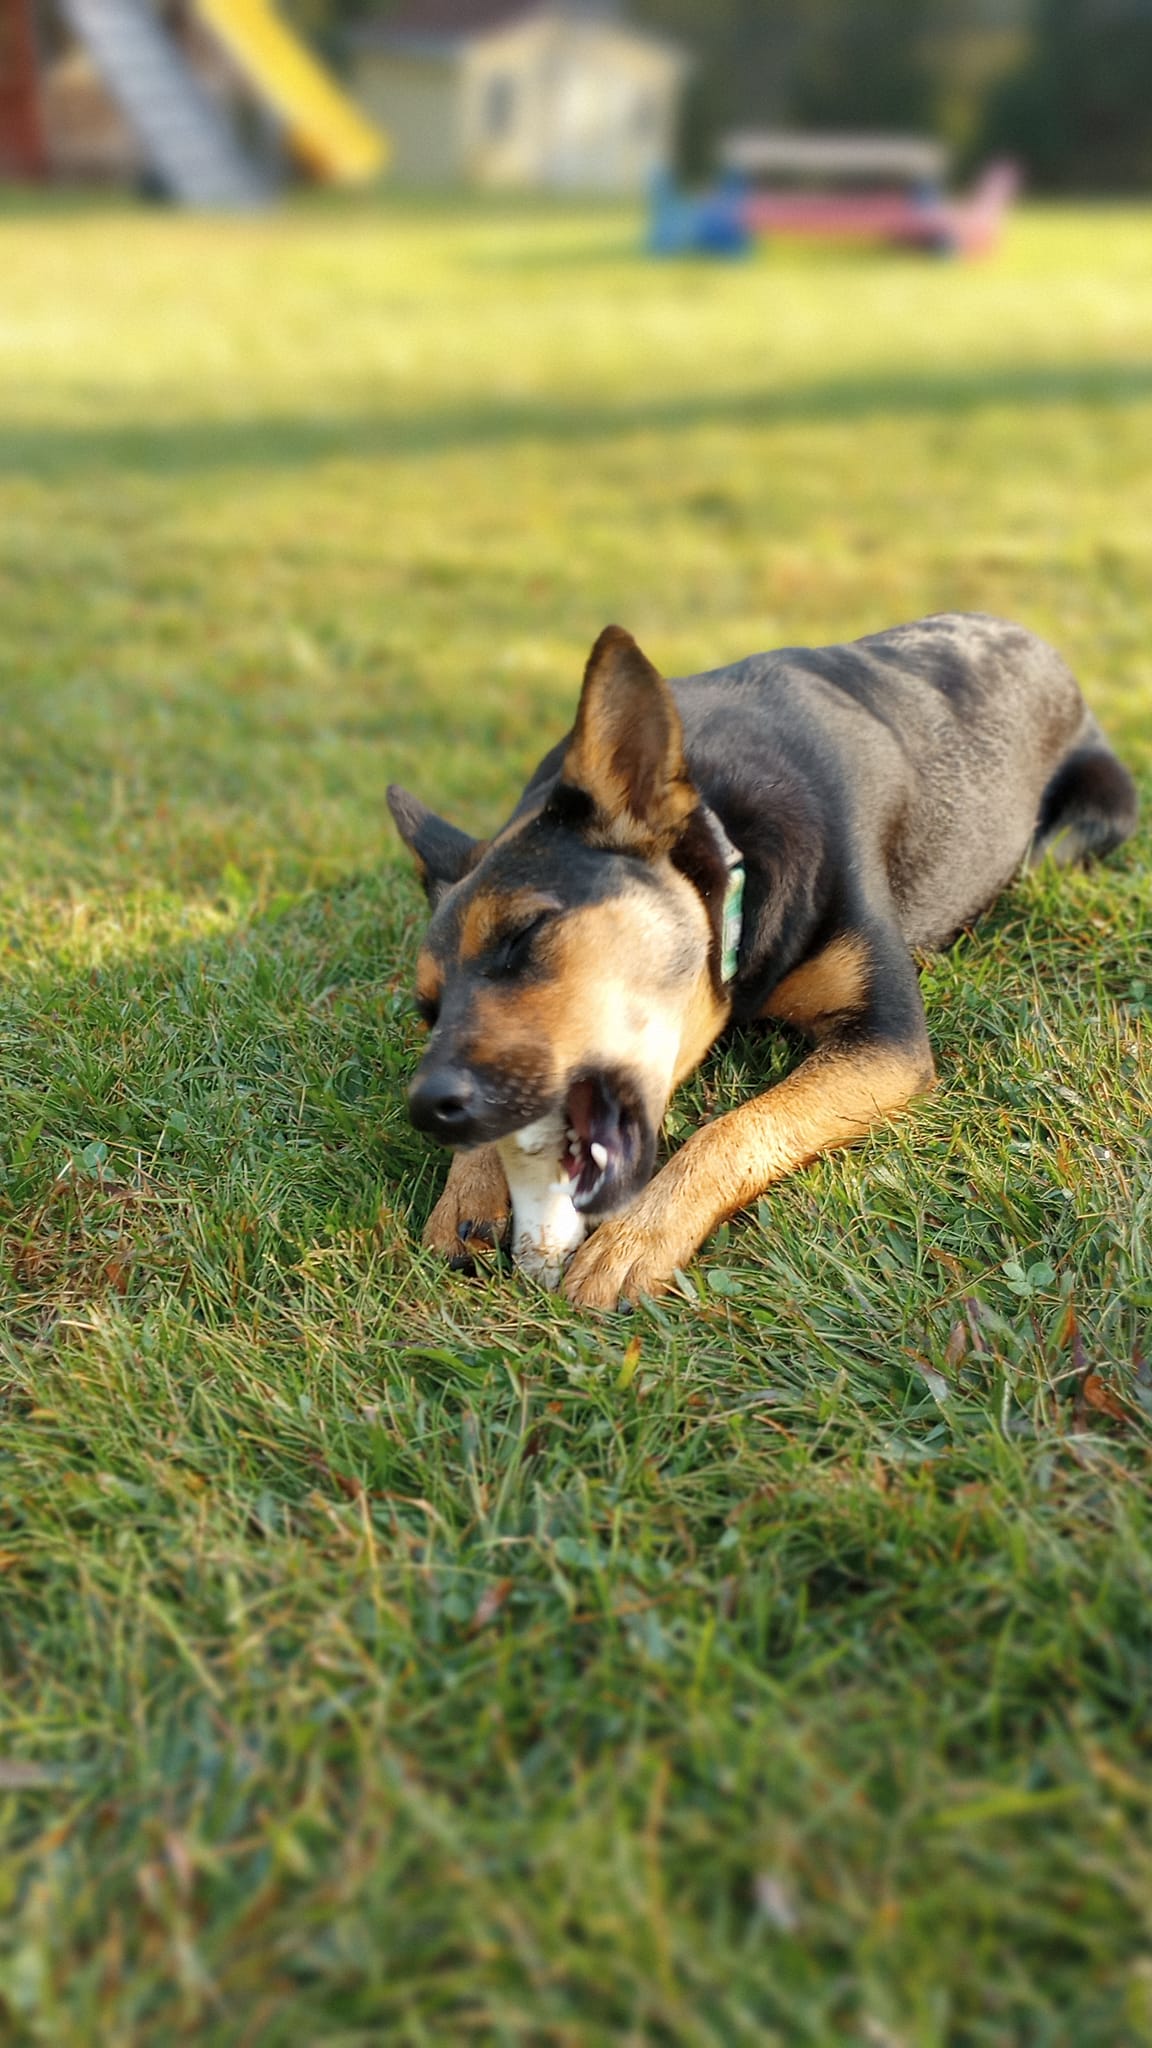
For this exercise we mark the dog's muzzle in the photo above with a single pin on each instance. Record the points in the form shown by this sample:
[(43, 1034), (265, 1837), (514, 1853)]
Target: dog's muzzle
[(444, 1102)]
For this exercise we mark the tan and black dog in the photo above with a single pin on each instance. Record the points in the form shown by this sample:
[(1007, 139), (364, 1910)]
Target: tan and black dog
[(863, 799)]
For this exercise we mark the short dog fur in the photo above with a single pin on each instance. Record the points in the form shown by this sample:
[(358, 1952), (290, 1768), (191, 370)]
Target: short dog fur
[(880, 795)]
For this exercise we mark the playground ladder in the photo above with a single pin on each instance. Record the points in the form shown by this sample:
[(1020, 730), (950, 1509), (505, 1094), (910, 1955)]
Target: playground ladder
[(185, 137)]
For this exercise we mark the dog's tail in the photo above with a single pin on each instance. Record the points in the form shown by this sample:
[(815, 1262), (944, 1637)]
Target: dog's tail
[(1089, 807)]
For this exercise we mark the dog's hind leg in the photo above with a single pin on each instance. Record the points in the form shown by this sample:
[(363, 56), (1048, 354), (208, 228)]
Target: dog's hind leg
[(869, 1064), (1089, 807), (473, 1209)]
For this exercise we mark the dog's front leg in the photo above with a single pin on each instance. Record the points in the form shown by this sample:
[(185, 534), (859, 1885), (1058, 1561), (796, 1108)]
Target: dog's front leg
[(837, 1095), (474, 1206)]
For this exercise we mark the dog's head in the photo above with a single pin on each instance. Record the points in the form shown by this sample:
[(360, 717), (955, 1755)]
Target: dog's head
[(570, 964)]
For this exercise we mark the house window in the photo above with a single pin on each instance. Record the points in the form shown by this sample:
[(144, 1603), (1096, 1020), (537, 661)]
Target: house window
[(499, 105), (646, 112)]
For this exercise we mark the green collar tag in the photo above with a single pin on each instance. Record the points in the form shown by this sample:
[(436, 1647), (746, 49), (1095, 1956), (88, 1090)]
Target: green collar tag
[(732, 915), (732, 921)]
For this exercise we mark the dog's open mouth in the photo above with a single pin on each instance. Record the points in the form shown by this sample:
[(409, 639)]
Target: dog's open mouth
[(605, 1144)]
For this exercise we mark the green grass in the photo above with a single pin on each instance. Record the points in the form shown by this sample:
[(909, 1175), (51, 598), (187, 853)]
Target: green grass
[(392, 1659)]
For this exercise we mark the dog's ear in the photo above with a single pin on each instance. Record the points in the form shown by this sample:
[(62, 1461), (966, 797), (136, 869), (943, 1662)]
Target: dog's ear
[(627, 750), (442, 852)]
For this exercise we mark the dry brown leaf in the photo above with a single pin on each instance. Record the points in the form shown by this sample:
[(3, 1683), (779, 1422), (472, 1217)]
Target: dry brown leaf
[(1098, 1395), (17, 1775), (1068, 1329), (489, 1604), (956, 1346)]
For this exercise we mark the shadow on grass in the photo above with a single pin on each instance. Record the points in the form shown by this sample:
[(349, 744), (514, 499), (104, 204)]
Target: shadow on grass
[(200, 1116), (292, 440)]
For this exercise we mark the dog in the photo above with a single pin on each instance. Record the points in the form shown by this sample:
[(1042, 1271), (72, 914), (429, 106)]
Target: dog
[(767, 841)]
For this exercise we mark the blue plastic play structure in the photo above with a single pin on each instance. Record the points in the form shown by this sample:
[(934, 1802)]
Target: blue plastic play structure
[(711, 223)]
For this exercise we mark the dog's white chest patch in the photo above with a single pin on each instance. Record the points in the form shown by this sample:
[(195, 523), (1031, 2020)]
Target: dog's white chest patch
[(546, 1227)]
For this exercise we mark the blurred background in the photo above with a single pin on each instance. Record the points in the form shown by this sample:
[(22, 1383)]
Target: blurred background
[(559, 94), (359, 361)]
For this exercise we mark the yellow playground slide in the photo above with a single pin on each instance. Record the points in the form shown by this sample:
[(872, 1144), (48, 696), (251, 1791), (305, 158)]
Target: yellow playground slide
[(334, 139)]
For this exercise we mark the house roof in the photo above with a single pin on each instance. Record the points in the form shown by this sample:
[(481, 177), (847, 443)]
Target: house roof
[(437, 22), (454, 20)]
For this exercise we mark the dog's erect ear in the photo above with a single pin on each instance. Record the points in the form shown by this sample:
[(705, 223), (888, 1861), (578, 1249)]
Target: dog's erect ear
[(443, 852), (627, 750)]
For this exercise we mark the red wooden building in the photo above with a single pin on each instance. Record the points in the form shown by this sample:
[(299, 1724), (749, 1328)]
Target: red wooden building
[(23, 145)]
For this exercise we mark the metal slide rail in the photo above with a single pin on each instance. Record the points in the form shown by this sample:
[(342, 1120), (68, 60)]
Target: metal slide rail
[(185, 138)]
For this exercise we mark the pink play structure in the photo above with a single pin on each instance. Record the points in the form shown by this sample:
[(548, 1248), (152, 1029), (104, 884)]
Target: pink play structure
[(967, 226), (876, 188)]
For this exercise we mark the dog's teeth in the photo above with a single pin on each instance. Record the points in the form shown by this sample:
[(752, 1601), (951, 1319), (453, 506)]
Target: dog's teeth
[(599, 1154)]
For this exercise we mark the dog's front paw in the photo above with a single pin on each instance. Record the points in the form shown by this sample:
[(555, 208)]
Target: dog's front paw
[(473, 1210), (620, 1261)]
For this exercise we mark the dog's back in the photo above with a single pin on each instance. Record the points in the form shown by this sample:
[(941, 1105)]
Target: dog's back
[(936, 753)]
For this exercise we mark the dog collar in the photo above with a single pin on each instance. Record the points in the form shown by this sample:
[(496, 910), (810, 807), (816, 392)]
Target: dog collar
[(732, 921), (732, 915)]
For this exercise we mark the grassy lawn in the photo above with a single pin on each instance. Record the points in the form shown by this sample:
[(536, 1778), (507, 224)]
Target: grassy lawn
[(389, 1658)]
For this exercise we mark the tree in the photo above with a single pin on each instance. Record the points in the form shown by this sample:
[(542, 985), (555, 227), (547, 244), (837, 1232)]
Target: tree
[(864, 67), (1078, 112)]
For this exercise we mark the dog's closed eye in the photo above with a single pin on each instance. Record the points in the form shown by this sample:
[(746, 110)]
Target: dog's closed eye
[(513, 949)]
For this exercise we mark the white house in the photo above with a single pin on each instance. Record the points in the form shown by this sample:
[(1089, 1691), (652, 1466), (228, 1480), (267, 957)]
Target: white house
[(529, 93)]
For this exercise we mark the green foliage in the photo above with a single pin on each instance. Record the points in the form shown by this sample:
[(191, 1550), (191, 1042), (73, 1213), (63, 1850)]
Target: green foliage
[(1076, 111), (865, 67), (389, 1658)]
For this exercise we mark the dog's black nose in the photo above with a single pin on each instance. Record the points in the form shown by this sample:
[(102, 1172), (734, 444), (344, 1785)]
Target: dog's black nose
[(442, 1103)]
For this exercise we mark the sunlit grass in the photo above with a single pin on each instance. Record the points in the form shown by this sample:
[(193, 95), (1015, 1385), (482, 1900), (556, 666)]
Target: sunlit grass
[(393, 1659)]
